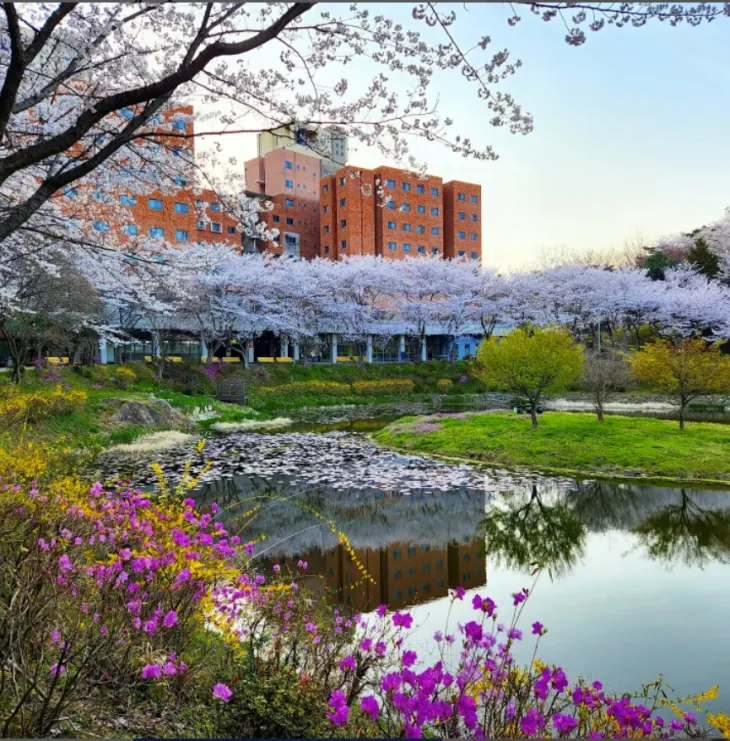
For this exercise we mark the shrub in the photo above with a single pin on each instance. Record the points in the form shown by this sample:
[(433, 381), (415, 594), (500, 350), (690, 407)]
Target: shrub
[(18, 408), (314, 388), (395, 386), (124, 378), (445, 383)]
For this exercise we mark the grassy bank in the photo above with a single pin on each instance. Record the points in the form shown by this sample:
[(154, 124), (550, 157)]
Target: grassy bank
[(569, 442)]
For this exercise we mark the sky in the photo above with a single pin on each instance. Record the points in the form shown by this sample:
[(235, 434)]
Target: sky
[(631, 138)]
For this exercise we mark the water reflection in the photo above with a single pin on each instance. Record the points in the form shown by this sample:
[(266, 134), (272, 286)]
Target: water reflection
[(417, 545)]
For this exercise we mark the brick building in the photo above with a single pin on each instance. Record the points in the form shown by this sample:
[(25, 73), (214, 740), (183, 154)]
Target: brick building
[(419, 217)]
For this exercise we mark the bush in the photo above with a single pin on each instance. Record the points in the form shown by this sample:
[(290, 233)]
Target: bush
[(313, 388), (445, 383), (124, 378), (18, 408), (382, 388)]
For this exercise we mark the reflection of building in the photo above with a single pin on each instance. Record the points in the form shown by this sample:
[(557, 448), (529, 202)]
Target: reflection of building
[(404, 573)]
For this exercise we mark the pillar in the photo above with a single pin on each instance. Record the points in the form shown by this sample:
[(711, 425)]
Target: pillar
[(333, 348), (424, 349), (369, 350), (402, 347), (203, 351), (102, 352), (295, 347), (249, 351), (284, 349)]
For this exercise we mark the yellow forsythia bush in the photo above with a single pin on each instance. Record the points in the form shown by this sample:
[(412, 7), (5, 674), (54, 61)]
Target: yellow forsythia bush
[(319, 388), (18, 408), (124, 378), (362, 388), (444, 383)]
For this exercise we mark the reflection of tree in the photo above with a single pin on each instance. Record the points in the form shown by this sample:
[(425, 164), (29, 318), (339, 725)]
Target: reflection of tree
[(686, 532), (602, 505), (533, 534)]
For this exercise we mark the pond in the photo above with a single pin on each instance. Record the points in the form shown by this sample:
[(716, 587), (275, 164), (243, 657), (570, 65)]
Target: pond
[(635, 581)]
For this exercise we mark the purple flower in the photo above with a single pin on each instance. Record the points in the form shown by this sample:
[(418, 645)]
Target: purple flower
[(348, 664), (532, 722), (222, 692), (64, 563), (170, 619), (402, 620), (382, 609), (564, 723), (409, 658), (473, 631), (338, 702), (277, 568), (459, 592), (690, 719), (369, 706), (151, 671), (169, 668), (518, 597), (367, 644), (56, 636), (438, 636), (537, 628), (56, 670), (675, 725), (514, 634)]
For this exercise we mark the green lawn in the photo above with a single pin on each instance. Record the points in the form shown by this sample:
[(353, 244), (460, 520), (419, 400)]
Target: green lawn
[(576, 443)]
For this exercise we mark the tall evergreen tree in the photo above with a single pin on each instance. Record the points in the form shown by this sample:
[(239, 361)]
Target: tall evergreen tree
[(703, 259)]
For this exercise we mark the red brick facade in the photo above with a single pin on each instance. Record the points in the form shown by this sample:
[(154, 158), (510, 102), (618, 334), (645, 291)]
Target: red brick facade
[(419, 217), (462, 220)]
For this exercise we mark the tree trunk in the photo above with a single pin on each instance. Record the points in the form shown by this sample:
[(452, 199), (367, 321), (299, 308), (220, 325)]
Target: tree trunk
[(599, 412), (452, 359), (682, 405), (533, 415)]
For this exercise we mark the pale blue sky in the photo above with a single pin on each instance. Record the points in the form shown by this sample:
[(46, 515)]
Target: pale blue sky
[(631, 133)]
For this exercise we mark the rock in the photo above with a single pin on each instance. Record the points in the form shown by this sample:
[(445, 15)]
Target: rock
[(155, 414)]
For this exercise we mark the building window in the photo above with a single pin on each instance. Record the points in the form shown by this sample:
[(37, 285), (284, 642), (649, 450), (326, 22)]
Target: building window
[(392, 246), (343, 223), (391, 204), (325, 188), (178, 124), (434, 250), (215, 226), (434, 230), (181, 208), (275, 219), (326, 250), (420, 189), (343, 244), (99, 196), (462, 197), (130, 229), (406, 248), (405, 207), (396, 553), (101, 226), (343, 201), (326, 209), (462, 235), (462, 253), (426, 587), (467, 575), (198, 204), (231, 229), (411, 572), (70, 192), (289, 202), (288, 184), (326, 229), (434, 212), (343, 181), (420, 229), (176, 151), (397, 574), (391, 225), (474, 255), (473, 217), (182, 236), (180, 180), (397, 594), (126, 113), (201, 224), (421, 209), (406, 227), (299, 167), (462, 216), (406, 186), (390, 183), (473, 237), (421, 249), (434, 191), (287, 165), (128, 200), (474, 199), (157, 231), (155, 204), (290, 221), (439, 564)]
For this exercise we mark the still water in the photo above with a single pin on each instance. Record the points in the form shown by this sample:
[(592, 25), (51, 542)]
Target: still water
[(636, 579)]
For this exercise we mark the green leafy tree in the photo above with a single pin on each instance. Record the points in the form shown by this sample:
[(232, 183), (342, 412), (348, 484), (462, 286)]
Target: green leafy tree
[(703, 259), (657, 263), (686, 371), (531, 362)]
